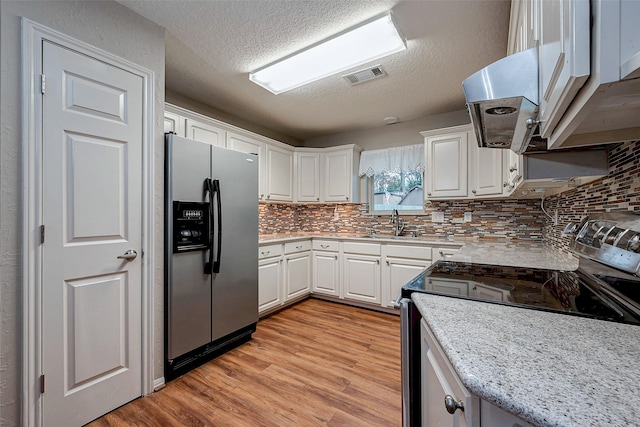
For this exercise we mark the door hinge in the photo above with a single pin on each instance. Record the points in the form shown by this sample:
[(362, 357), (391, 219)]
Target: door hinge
[(42, 234), (43, 83), (42, 383)]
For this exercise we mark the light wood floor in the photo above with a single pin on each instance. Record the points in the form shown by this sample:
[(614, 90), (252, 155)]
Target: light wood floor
[(314, 364)]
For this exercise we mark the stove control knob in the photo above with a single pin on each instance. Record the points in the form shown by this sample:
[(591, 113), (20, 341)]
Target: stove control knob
[(571, 228), (634, 243)]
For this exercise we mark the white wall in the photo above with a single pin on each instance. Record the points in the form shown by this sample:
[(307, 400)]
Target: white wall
[(114, 28), (403, 133)]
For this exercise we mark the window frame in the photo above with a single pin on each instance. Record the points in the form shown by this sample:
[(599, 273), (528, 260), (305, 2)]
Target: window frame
[(371, 210)]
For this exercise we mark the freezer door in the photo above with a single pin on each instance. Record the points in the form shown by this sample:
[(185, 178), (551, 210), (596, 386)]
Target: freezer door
[(187, 288), (235, 287)]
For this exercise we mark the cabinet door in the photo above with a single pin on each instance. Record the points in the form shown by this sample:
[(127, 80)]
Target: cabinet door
[(269, 284), (397, 273), (174, 123), (326, 274), (487, 174), (338, 172), (245, 144), (307, 172), (564, 57), (446, 170), (487, 292), (205, 132), (361, 277), (297, 275), (513, 166), (438, 379), (279, 170)]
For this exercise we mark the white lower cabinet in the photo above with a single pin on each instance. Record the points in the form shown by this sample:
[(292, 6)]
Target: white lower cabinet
[(442, 390), (398, 272), (269, 280), (361, 277), (297, 269), (326, 273)]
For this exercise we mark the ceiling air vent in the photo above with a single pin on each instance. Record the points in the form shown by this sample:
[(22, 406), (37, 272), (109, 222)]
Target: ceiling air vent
[(365, 75)]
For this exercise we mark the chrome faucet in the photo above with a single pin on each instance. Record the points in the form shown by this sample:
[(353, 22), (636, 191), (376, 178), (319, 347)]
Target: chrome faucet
[(398, 223)]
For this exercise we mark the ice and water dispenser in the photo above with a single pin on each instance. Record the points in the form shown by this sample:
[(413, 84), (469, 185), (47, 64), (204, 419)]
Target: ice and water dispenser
[(191, 226)]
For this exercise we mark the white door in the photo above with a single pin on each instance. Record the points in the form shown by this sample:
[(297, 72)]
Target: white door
[(361, 277), (326, 279), (307, 167), (269, 280), (398, 272), (92, 185), (279, 174), (298, 275), (337, 176), (250, 146)]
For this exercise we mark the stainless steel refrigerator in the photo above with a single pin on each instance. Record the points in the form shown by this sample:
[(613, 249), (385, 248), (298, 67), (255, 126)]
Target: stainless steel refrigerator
[(211, 251)]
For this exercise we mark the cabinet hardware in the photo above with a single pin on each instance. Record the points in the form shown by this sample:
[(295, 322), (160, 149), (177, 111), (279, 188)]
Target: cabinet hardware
[(336, 257), (318, 198), (474, 191), (299, 247), (324, 246), (388, 263), (265, 253), (513, 169), (378, 261), (428, 194), (452, 405)]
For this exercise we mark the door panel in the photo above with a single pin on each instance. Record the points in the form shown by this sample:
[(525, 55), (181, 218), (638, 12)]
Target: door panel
[(91, 206)]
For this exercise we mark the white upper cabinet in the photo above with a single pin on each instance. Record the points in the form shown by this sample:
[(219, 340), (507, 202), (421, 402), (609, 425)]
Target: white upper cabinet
[(340, 184), (487, 177), (523, 28), (246, 144), (205, 132), (174, 123), (279, 180), (589, 67), (307, 173), (564, 61), (446, 162)]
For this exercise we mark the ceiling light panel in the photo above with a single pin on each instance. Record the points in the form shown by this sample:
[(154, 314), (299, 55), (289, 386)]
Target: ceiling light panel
[(355, 47)]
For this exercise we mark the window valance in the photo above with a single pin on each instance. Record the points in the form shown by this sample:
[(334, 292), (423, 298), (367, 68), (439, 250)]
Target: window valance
[(410, 157)]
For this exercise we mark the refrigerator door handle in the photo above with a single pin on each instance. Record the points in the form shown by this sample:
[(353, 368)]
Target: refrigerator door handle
[(218, 226), (208, 190)]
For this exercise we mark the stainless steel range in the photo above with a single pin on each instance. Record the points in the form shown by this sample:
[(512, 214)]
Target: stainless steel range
[(605, 286)]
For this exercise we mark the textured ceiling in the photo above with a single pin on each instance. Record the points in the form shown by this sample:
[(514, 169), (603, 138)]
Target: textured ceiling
[(212, 45)]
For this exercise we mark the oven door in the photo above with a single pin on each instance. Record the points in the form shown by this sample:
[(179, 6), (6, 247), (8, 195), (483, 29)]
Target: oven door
[(410, 362)]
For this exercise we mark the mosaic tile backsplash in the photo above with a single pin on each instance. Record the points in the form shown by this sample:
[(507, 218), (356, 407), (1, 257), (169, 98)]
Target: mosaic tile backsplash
[(491, 220), (618, 191)]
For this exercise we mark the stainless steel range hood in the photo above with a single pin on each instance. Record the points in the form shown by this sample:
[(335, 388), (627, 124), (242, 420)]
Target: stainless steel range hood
[(503, 101)]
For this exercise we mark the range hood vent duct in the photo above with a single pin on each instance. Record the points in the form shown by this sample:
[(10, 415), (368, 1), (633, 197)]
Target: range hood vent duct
[(503, 101)]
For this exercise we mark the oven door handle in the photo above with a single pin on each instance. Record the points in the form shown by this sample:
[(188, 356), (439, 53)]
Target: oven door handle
[(396, 303)]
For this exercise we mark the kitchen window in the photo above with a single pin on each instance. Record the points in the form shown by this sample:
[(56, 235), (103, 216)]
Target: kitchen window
[(394, 179)]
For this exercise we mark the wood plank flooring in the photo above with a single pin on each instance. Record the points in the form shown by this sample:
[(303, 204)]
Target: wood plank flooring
[(316, 363)]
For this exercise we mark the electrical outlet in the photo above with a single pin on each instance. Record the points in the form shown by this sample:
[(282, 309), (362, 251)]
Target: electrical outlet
[(437, 217), (467, 217)]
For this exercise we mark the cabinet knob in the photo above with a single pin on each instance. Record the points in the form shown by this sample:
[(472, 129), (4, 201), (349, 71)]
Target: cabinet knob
[(474, 191), (347, 198), (451, 404), (513, 169), (387, 262), (505, 185), (378, 261), (336, 257), (268, 196), (261, 196), (428, 194), (317, 198)]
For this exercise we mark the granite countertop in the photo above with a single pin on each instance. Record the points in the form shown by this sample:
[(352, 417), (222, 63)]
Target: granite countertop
[(516, 253), (547, 368)]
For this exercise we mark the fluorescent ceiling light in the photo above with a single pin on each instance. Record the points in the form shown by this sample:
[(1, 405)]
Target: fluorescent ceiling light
[(355, 47)]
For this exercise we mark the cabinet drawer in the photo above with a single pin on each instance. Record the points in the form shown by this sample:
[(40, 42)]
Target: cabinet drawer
[(269, 251), (361, 248), (293, 247), (445, 253), (416, 252), (326, 245)]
